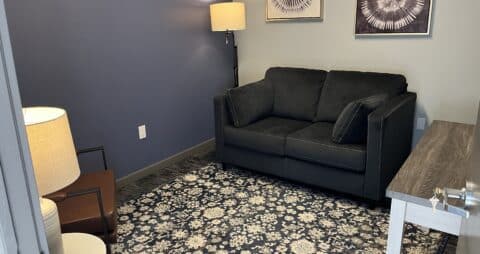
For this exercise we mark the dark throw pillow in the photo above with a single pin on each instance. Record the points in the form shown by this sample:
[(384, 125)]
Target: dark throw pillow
[(343, 87), (249, 103), (351, 126)]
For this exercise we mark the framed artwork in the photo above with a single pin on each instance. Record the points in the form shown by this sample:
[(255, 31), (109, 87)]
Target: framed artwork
[(393, 17), (282, 10)]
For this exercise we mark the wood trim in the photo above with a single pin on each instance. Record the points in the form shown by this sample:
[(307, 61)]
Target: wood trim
[(200, 149)]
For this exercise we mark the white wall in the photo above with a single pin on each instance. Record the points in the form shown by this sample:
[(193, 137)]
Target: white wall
[(443, 68)]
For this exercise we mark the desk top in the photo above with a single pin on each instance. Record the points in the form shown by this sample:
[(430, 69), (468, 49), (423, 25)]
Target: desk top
[(440, 159)]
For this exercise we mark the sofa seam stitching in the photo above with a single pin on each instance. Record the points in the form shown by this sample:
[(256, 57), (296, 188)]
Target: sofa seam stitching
[(329, 146), (316, 161)]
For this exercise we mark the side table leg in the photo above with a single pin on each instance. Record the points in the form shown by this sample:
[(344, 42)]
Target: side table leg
[(395, 230)]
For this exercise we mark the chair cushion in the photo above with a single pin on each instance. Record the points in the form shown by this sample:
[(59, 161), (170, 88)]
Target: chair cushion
[(249, 103), (267, 135), (343, 87), (352, 124), (81, 214), (296, 91), (314, 144)]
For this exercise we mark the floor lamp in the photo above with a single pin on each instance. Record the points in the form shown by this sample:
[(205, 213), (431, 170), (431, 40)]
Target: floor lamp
[(229, 17), (54, 162)]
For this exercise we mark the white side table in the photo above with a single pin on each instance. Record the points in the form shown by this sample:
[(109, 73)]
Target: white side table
[(80, 243)]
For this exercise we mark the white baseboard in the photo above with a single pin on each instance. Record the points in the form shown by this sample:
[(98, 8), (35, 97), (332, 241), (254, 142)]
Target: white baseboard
[(202, 148)]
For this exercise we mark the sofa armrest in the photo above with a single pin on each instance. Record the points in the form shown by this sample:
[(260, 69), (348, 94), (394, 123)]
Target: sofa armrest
[(222, 119), (389, 143)]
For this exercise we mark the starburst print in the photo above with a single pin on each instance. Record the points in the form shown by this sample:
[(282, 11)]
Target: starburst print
[(391, 14), (291, 5)]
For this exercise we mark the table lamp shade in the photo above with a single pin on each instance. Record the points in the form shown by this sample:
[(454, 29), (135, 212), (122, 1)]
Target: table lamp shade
[(51, 147), (227, 16)]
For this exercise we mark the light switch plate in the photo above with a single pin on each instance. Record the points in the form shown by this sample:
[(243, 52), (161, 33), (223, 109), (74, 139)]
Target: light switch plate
[(142, 132), (421, 122)]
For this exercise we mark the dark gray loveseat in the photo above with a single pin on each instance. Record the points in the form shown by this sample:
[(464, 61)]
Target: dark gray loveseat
[(285, 122)]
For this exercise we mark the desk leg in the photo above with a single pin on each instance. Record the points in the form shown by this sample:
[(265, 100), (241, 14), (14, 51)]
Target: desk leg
[(395, 229)]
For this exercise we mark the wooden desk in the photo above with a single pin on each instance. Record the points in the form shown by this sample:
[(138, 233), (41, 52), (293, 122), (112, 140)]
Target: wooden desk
[(439, 160)]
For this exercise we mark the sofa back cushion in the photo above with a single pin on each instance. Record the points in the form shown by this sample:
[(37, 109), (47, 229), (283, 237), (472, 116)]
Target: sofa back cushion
[(343, 87), (249, 103), (296, 91)]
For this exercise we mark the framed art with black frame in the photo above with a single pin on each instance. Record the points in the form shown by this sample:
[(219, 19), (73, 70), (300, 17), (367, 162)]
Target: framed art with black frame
[(393, 17)]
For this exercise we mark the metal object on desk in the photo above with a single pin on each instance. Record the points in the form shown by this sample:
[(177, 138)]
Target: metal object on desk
[(467, 198)]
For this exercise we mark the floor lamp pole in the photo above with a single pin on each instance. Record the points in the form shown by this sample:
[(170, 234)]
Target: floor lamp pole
[(235, 60), (235, 56)]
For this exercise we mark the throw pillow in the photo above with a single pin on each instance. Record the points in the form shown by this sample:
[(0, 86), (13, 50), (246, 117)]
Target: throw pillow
[(249, 103), (351, 126)]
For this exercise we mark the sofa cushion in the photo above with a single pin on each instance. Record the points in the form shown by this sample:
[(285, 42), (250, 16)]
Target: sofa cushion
[(352, 124), (314, 144), (296, 91), (249, 103), (343, 87), (267, 135)]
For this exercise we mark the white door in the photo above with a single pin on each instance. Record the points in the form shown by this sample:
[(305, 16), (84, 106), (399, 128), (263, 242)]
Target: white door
[(8, 241), (21, 224), (469, 241)]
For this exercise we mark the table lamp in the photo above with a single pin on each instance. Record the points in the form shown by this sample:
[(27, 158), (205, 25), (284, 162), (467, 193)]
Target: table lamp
[(54, 162), (229, 17)]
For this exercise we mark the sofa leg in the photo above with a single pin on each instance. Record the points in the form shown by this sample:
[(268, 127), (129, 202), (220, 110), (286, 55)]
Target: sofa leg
[(371, 205)]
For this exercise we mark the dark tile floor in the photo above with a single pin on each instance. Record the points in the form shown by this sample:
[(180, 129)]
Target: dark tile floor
[(148, 183)]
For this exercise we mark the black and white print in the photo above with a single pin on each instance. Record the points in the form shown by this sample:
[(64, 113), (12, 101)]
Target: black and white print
[(212, 210), (293, 9), (393, 17), (287, 6)]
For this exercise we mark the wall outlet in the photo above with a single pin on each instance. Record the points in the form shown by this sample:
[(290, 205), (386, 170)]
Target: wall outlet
[(421, 122), (142, 132)]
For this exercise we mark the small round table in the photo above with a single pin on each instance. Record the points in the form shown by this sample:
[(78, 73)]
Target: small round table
[(80, 243)]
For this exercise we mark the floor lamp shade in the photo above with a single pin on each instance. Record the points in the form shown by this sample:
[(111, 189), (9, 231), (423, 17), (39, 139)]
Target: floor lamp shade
[(51, 147), (227, 16)]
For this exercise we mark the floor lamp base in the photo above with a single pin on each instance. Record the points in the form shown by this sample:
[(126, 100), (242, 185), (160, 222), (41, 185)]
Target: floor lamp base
[(52, 226)]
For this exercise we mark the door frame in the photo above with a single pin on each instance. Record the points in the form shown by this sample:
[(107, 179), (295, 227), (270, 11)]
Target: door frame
[(8, 241), (22, 224)]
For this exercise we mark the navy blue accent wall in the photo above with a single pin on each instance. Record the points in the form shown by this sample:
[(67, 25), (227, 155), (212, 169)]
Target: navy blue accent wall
[(117, 64)]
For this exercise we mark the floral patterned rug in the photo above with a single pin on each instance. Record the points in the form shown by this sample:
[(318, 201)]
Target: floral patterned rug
[(212, 210)]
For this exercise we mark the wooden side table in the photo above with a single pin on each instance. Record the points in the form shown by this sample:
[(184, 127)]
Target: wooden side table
[(80, 243), (440, 160)]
